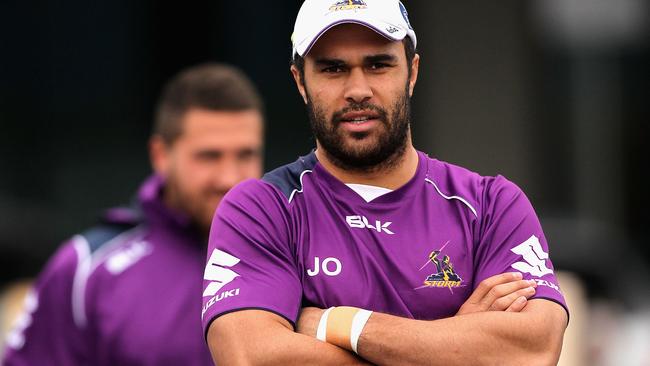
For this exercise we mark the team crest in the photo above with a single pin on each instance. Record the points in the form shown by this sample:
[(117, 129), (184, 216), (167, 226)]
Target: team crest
[(348, 5), (444, 275)]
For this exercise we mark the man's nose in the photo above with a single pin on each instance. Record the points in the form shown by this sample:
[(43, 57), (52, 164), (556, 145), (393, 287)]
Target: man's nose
[(357, 88), (227, 175)]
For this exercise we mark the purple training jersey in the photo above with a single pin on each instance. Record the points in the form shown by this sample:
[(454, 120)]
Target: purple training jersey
[(122, 293), (301, 237)]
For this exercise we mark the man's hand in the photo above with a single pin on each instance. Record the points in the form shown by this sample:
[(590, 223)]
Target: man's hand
[(502, 292), (308, 321)]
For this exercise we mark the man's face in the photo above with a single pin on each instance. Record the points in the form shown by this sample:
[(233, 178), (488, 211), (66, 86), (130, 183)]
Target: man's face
[(357, 90), (215, 151)]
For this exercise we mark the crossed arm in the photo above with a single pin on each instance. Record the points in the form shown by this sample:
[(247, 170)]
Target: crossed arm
[(258, 337), (530, 337), (494, 326)]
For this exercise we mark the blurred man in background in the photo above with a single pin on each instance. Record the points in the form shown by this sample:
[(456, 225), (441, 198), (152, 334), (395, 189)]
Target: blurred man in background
[(124, 292)]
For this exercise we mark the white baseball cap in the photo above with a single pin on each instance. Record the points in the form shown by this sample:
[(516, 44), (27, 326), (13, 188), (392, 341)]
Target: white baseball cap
[(386, 17)]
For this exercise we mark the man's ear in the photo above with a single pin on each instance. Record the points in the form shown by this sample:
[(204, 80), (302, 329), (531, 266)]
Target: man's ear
[(299, 82), (159, 155), (415, 66)]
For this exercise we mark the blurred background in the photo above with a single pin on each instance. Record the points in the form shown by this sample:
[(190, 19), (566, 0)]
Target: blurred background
[(552, 94)]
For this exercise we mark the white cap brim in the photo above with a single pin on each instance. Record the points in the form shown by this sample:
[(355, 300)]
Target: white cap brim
[(303, 46), (386, 17)]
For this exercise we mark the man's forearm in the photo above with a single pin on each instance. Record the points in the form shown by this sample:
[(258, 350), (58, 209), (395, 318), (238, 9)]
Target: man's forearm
[(287, 348), (255, 337), (531, 337)]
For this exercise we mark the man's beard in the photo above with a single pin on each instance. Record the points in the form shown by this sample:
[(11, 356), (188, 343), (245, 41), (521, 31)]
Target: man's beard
[(195, 206), (383, 154)]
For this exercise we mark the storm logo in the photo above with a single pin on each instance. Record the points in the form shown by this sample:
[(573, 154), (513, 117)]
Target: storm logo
[(445, 275), (348, 5)]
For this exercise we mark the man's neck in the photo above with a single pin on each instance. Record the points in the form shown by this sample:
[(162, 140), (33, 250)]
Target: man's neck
[(392, 177)]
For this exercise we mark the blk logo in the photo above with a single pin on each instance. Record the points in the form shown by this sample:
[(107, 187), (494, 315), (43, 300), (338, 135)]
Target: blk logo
[(534, 256), (361, 222), (216, 271), (330, 266)]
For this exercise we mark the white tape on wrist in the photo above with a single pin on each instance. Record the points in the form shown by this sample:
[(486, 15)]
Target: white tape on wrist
[(321, 332), (358, 322)]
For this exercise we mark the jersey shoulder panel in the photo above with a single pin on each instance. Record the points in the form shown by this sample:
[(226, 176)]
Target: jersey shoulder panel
[(70, 256), (98, 236), (501, 195), (499, 186), (60, 268), (288, 178), (480, 193), (253, 207), (454, 182), (111, 226), (94, 247)]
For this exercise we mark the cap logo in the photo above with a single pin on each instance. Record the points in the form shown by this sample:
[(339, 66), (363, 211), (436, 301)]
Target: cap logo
[(392, 30), (348, 5)]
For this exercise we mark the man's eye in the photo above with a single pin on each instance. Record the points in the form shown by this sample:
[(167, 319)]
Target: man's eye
[(246, 155), (378, 66), (333, 69), (208, 155)]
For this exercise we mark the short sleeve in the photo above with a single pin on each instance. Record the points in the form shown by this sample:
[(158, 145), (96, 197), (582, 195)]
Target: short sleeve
[(511, 239), (45, 333), (250, 264)]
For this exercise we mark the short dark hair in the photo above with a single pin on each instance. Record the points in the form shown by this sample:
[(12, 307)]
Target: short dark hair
[(211, 86), (299, 61)]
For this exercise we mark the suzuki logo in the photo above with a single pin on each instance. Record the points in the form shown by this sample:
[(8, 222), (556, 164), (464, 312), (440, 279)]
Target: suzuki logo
[(216, 271), (361, 222), (535, 258)]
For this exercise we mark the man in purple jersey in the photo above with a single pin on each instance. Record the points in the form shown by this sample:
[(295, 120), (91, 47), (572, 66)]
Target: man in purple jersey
[(367, 250), (124, 291)]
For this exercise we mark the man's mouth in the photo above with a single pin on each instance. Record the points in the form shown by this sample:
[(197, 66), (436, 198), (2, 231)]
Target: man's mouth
[(358, 118), (358, 121)]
